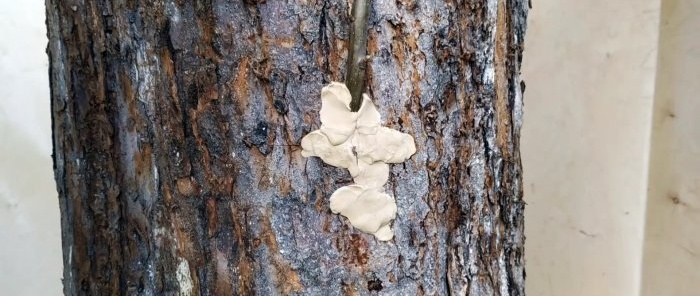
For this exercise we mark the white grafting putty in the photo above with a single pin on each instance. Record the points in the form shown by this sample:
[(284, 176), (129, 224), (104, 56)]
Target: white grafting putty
[(357, 141)]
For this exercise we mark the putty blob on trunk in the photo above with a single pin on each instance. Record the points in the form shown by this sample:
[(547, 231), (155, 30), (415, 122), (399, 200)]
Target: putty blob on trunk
[(357, 141)]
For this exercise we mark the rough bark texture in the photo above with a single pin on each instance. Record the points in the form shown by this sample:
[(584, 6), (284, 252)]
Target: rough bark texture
[(176, 133)]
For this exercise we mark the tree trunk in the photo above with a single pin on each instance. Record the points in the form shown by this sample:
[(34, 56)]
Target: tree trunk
[(176, 147)]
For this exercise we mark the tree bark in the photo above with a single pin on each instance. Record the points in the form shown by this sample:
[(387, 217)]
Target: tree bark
[(176, 147)]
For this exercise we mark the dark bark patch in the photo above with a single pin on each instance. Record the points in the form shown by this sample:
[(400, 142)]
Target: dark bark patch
[(454, 215), (501, 59), (288, 280), (240, 85), (430, 116), (358, 253), (259, 137), (280, 106), (241, 251), (374, 285), (186, 186), (212, 217), (284, 187)]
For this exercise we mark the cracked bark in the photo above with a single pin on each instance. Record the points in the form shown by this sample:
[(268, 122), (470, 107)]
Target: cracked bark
[(176, 131)]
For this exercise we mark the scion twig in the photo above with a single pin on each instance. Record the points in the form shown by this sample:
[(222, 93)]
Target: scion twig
[(355, 78)]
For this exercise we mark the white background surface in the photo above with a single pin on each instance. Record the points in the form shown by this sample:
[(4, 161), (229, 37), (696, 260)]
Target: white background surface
[(591, 71), (30, 240)]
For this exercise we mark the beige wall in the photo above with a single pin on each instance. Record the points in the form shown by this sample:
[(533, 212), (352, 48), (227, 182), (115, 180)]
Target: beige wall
[(590, 69), (672, 242)]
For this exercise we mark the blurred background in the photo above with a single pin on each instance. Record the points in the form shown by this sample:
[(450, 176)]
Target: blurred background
[(610, 147)]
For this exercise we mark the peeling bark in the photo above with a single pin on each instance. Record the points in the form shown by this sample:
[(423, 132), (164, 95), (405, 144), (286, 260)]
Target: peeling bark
[(176, 131)]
